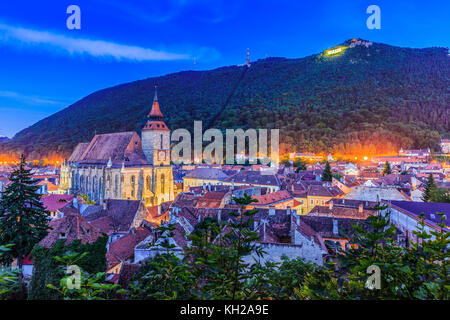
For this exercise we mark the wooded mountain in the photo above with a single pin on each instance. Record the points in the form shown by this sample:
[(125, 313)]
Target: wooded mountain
[(371, 99), (3, 139)]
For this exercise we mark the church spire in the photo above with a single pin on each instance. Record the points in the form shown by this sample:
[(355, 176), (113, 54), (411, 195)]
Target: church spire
[(156, 93), (155, 113)]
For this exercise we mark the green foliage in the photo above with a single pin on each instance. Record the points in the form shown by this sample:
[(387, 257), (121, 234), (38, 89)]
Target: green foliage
[(10, 280), (387, 168), (299, 164), (24, 219), (165, 277), (91, 286), (430, 189), (433, 193), (374, 99), (278, 280), (213, 266), (428, 260), (47, 270), (222, 262), (85, 197), (286, 162), (327, 175), (440, 195), (419, 271)]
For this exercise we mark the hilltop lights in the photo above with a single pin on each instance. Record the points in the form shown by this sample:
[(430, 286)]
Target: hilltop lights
[(335, 51)]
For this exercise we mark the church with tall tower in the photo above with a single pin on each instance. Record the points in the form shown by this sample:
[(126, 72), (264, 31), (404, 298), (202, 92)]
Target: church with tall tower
[(124, 165)]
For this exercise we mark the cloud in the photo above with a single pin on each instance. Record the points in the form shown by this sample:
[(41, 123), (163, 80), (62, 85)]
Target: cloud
[(30, 99), (95, 48)]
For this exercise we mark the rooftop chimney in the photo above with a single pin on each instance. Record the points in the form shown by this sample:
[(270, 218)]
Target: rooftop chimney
[(105, 206), (330, 204), (159, 210), (360, 208)]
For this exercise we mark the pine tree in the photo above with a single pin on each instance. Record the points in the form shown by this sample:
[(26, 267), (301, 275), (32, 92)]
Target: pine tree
[(327, 174), (387, 168), (23, 218), (430, 189)]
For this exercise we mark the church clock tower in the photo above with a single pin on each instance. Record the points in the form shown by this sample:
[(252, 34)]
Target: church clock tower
[(156, 137)]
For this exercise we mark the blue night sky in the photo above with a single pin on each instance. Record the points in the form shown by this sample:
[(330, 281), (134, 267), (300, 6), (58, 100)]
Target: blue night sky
[(45, 67)]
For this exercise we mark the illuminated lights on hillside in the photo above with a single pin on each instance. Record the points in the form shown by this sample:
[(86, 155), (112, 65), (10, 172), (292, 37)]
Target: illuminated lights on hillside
[(335, 51)]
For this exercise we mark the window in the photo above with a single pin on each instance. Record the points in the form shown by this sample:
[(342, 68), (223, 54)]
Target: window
[(133, 183), (149, 183), (163, 183), (116, 186)]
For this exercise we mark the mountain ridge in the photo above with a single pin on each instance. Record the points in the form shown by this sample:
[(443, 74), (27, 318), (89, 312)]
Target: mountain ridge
[(370, 99)]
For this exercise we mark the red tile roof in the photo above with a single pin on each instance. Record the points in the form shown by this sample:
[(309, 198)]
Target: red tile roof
[(55, 202), (123, 249), (50, 186), (272, 198), (341, 212), (70, 227)]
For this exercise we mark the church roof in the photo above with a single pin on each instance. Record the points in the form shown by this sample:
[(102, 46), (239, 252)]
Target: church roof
[(78, 152), (119, 147), (155, 116), (156, 111)]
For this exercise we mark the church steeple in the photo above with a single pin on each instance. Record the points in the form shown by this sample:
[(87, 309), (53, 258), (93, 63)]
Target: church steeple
[(155, 113), (155, 136)]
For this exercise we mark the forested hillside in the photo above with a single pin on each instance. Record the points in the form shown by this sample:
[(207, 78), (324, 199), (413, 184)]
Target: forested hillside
[(372, 99)]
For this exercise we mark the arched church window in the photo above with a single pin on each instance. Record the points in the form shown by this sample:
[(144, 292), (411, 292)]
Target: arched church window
[(100, 187), (149, 182), (133, 183), (163, 183), (116, 186), (94, 186)]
